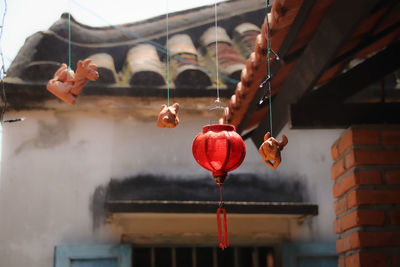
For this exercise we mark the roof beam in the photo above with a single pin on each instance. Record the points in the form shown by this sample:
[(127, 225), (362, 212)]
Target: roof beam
[(333, 115), (359, 77), (335, 29), (298, 22), (370, 39)]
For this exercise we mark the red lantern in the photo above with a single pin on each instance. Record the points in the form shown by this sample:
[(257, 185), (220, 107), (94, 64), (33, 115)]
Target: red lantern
[(219, 149)]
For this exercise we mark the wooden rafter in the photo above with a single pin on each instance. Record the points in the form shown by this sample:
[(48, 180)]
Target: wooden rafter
[(359, 77), (335, 29), (287, 43), (367, 41)]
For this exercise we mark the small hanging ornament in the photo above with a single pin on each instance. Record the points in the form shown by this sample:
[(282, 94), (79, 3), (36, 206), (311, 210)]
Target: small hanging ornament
[(270, 150), (67, 85), (219, 149), (168, 117)]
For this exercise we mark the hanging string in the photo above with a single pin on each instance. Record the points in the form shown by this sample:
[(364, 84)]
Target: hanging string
[(69, 41), (167, 55), (69, 38), (223, 245), (216, 48), (217, 102), (3, 73), (269, 70), (267, 80)]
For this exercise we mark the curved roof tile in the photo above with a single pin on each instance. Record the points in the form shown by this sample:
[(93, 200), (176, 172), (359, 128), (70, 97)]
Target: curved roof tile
[(230, 63), (187, 72), (143, 66), (242, 49), (245, 36), (106, 68)]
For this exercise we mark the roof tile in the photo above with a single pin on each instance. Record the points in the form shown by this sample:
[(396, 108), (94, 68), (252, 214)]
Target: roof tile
[(244, 35), (185, 64), (106, 68), (230, 63), (39, 71), (143, 66), (127, 59)]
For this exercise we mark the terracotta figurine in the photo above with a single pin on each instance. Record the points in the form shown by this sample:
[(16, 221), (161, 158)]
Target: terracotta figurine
[(168, 117), (67, 85), (270, 150)]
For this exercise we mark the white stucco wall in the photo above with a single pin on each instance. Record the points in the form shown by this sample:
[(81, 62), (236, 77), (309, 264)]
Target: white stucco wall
[(53, 161), (307, 157)]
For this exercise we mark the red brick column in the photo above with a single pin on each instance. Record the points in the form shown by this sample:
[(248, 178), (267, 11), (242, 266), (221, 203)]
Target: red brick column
[(366, 172)]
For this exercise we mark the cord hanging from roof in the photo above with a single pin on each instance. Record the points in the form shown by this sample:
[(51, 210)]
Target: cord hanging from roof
[(69, 38), (66, 84), (270, 149), (216, 47), (166, 23), (168, 116), (217, 103), (222, 244), (267, 80)]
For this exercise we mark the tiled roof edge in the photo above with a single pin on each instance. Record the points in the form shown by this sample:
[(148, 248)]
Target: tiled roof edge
[(154, 28)]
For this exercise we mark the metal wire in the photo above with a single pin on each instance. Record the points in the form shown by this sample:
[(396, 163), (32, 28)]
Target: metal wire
[(167, 54), (216, 47), (3, 73), (269, 70), (217, 103), (69, 37)]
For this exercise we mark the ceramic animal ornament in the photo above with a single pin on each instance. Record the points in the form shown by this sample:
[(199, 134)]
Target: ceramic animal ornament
[(62, 83), (67, 85), (270, 150), (168, 117), (85, 71)]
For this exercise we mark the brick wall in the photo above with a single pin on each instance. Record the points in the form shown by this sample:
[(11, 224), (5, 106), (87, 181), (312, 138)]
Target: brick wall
[(366, 171)]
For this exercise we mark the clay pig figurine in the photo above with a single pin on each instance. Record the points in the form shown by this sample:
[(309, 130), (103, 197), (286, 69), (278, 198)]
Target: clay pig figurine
[(67, 85), (270, 150), (168, 117)]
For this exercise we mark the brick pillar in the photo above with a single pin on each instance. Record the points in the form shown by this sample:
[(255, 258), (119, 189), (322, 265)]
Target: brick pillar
[(366, 172)]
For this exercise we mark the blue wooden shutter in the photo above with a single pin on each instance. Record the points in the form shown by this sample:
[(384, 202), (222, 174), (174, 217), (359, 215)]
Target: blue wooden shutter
[(309, 255), (93, 256)]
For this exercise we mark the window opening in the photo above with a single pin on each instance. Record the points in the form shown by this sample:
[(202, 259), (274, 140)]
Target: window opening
[(203, 257)]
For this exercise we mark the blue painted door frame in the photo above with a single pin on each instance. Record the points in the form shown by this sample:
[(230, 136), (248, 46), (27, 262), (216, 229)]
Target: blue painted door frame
[(93, 256)]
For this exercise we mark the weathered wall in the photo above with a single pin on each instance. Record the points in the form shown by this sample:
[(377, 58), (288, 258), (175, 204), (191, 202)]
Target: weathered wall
[(307, 159), (53, 162)]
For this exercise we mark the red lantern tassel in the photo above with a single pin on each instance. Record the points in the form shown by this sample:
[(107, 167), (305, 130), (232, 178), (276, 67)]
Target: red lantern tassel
[(224, 244)]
